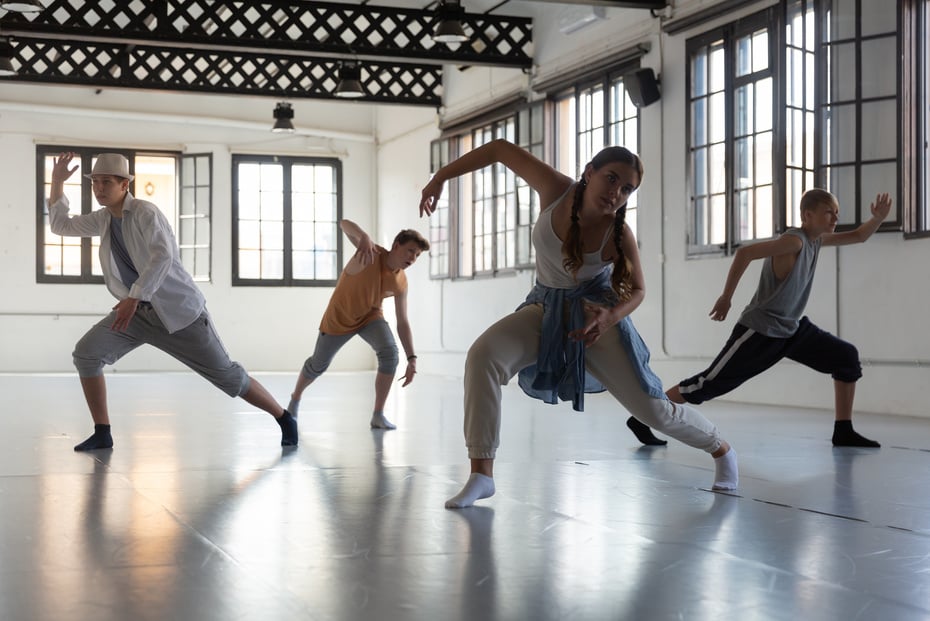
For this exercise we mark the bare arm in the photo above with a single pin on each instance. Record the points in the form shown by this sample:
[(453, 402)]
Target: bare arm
[(547, 181), (786, 244), (366, 249), (405, 333), (880, 209)]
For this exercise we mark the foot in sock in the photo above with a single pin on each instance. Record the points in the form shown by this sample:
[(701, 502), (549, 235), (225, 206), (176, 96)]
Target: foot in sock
[(100, 440), (292, 406), (378, 421), (288, 429), (845, 435), (726, 476), (477, 487), (643, 433)]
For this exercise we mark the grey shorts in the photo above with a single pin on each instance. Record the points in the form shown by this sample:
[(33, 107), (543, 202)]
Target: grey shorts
[(198, 346)]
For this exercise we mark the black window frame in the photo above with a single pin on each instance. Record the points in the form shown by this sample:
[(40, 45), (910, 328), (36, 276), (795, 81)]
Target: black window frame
[(287, 279)]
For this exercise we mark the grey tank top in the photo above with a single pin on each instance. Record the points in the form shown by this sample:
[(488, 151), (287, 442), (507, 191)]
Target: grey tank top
[(777, 306), (549, 269)]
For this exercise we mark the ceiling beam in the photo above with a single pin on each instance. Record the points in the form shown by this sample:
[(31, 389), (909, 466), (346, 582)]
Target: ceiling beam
[(280, 48)]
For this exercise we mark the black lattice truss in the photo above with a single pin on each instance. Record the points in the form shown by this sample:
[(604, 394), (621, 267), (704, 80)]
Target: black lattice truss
[(281, 43), (252, 73)]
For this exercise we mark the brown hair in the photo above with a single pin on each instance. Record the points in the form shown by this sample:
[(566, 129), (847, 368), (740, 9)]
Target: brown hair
[(814, 198), (572, 250), (408, 235)]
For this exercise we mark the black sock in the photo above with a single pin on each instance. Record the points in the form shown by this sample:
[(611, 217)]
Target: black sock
[(101, 439), (845, 435), (643, 433), (288, 429)]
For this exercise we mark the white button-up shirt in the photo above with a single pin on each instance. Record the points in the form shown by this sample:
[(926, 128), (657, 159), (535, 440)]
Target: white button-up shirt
[(163, 281)]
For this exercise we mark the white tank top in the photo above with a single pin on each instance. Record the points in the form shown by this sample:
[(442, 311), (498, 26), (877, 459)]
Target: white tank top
[(549, 269)]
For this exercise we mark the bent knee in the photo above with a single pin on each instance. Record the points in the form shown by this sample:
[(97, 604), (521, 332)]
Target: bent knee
[(388, 359), (848, 368)]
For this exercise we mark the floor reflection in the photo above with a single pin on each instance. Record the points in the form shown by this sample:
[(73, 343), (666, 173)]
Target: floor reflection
[(197, 513)]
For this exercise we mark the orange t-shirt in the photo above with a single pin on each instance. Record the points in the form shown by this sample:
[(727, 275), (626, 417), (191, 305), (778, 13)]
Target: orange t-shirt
[(356, 301)]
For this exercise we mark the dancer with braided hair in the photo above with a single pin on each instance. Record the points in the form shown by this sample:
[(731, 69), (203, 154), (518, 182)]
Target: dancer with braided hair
[(573, 333)]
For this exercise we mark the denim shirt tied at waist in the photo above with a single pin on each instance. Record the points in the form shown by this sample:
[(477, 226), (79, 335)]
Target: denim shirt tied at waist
[(559, 372)]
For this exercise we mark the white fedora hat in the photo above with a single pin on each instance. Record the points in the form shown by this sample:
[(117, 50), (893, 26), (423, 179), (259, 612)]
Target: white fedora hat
[(111, 164)]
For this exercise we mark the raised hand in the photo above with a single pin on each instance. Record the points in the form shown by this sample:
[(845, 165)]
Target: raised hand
[(882, 206)]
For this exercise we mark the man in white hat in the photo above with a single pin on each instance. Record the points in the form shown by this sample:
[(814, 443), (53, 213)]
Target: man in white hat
[(159, 303)]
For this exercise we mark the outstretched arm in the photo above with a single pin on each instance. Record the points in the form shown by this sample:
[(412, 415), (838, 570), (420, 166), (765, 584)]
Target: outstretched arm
[(547, 181), (786, 244), (880, 209), (366, 249), (405, 333)]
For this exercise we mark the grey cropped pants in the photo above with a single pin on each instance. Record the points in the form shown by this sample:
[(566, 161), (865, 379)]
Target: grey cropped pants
[(198, 346), (513, 343)]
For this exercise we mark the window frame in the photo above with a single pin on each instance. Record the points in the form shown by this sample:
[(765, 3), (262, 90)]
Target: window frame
[(729, 34), (288, 162)]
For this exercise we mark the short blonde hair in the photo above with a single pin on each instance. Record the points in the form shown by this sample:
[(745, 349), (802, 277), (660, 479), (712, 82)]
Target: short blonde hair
[(816, 197)]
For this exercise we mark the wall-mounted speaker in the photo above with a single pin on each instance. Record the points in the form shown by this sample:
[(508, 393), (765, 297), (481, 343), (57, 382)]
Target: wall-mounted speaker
[(642, 86)]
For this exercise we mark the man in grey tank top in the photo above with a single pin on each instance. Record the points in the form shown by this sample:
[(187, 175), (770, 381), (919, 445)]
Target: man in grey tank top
[(772, 326)]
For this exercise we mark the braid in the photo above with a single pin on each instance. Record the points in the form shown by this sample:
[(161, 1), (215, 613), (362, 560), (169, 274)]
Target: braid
[(621, 276), (572, 248)]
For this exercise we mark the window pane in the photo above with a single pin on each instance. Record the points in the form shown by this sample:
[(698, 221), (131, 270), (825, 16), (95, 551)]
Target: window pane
[(879, 58), (249, 264), (879, 132), (841, 181), (272, 264), (839, 143), (841, 19), (843, 77), (878, 16), (760, 51), (763, 105), (876, 179)]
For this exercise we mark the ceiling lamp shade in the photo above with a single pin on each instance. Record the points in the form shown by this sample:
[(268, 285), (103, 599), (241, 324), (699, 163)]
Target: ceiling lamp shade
[(350, 82), (449, 28), (283, 113), (6, 58), (22, 6)]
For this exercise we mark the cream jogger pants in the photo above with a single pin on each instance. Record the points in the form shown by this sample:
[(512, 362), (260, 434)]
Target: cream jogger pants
[(513, 343)]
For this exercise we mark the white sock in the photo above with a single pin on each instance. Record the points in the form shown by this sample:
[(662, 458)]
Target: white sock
[(379, 422), (477, 487), (726, 476), (292, 406)]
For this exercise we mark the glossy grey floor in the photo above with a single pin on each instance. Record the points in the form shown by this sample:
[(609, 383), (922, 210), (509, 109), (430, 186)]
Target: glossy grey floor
[(198, 514)]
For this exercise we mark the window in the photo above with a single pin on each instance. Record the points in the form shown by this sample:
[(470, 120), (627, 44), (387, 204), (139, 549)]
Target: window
[(731, 124), (494, 194), (837, 101), (440, 229), (594, 115), (915, 83), (286, 214), (859, 141), (799, 106), (194, 215), (75, 259), (484, 221)]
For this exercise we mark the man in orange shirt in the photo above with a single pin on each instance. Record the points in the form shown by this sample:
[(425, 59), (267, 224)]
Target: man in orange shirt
[(371, 275)]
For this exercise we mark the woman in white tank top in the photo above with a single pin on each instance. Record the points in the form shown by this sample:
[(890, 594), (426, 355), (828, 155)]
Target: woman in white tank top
[(588, 263)]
